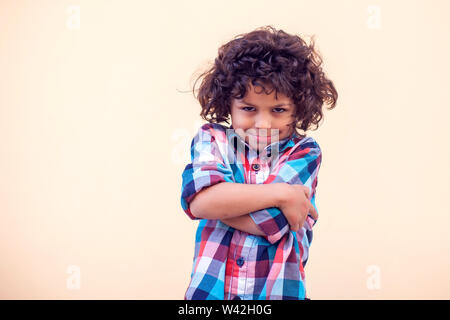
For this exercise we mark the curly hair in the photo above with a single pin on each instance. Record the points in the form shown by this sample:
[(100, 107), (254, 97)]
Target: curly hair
[(272, 58)]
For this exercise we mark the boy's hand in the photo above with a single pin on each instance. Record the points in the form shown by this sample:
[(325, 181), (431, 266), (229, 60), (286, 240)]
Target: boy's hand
[(295, 205)]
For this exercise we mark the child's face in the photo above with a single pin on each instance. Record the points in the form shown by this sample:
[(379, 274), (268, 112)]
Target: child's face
[(259, 118)]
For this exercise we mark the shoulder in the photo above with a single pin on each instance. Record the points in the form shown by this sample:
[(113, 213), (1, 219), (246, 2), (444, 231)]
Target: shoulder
[(309, 142), (211, 132), (209, 135), (213, 127), (305, 145)]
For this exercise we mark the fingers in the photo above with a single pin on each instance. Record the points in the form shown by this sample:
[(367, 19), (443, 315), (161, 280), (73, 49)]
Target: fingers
[(307, 191), (314, 215), (313, 212)]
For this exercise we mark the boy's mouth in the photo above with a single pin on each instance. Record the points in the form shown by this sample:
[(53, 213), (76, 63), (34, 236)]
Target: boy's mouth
[(261, 138)]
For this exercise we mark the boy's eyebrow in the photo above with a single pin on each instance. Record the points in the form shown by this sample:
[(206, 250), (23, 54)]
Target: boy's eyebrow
[(275, 106)]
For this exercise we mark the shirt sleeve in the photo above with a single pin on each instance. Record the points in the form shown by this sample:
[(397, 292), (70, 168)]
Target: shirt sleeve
[(206, 169), (301, 166)]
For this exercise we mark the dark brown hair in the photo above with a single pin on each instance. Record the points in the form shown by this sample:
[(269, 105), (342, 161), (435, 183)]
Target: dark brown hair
[(272, 58)]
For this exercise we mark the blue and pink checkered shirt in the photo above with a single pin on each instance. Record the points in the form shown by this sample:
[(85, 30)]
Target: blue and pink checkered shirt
[(232, 264)]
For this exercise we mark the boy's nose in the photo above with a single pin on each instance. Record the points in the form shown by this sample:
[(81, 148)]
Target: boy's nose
[(263, 122)]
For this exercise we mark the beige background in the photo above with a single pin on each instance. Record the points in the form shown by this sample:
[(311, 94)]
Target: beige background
[(96, 119)]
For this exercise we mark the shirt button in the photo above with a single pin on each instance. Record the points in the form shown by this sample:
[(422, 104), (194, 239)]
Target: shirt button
[(255, 167), (240, 261)]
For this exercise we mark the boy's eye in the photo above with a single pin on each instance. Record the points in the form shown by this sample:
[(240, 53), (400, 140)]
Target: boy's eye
[(277, 110)]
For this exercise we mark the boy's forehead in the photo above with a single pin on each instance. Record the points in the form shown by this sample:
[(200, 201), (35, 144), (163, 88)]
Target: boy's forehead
[(261, 100)]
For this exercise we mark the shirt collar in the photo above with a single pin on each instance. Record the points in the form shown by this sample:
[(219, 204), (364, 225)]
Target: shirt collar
[(283, 143)]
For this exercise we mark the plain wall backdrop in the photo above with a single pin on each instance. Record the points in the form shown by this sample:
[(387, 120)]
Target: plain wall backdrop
[(97, 116)]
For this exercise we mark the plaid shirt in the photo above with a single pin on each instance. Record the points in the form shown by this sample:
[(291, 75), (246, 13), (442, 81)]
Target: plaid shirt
[(232, 264)]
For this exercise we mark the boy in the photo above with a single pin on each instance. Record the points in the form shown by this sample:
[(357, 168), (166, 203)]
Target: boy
[(252, 186)]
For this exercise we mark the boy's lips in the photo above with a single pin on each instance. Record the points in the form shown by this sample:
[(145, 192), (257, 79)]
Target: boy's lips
[(265, 138)]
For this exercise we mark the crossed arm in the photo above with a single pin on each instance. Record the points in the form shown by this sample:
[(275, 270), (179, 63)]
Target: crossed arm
[(232, 202), (244, 223)]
